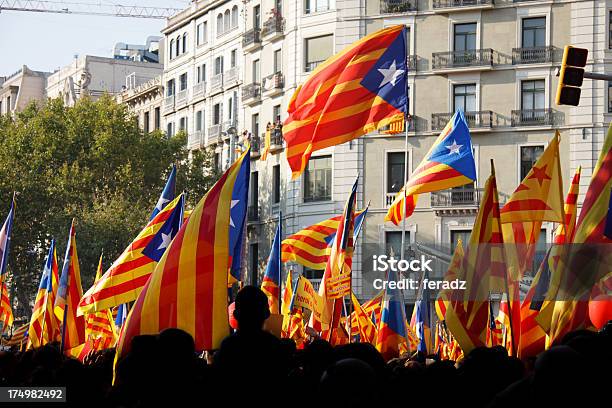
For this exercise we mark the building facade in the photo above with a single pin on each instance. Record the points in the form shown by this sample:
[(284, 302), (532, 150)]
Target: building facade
[(232, 67), (145, 102), (20, 88)]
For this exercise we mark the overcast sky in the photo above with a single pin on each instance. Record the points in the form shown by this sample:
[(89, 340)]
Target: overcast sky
[(47, 41)]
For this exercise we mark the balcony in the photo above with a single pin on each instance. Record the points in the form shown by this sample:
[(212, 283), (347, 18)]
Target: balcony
[(412, 63), (195, 140), (274, 27), (255, 146), (216, 83), (181, 98), (532, 55), (230, 77), (467, 60), (397, 6), (389, 198), (227, 125), (311, 65), (447, 5), (253, 213), (475, 120), (251, 40), (199, 90), (535, 117), (461, 200), (214, 132), (276, 138), (169, 103), (251, 93), (273, 84)]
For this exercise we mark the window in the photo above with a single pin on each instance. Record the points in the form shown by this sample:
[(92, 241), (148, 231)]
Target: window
[(276, 181), (199, 74), (183, 124), (256, 71), (177, 50), (456, 235), (171, 48), (170, 129), (255, 124), (318, 179), (198, 121), (234, 16), (157, 118), (395, 171), (254, 196), (170, 87), (216, 113), (534, 32), (257, 17), (313, 275), (317, 50), (183, 82), (529, 155), (277, 61), (205, 32), (254, 261), (184, 43), (232, 58), (610, 30), (226, 21), (464, 97), (393, 242), (199, 34), (276, 113), (218, 65), (219, 24), (314, 6), (146, 122), (278, 5), (532, 95), (609, 96), (230, 108), (465, 37)]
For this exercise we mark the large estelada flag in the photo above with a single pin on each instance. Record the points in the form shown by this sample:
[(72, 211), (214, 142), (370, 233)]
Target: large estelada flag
[(188, 289), (354, 92), (270, 284), (311, 246), (449, 163)]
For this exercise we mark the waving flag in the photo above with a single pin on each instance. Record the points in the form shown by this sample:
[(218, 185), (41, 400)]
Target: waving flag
[(5, 239), (421, 322), (356, 91), (122, 312), (311, 246), (162, 238), (99, 329), (392, 338), (68, 294), (188, 289), (449, 163), (44, 324), (238, 219), (125, 278), (267, 143), (6, 311), (565, 233), (373, 307), (19, 337), (445, 295), (167, 194), (272, 277), (366, 329)]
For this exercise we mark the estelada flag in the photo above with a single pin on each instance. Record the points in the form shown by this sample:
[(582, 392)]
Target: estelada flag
[(354, 92), (449, 163), (188, 288)]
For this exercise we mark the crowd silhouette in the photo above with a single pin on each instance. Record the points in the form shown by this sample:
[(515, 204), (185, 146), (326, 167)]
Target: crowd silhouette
[(254, 368)]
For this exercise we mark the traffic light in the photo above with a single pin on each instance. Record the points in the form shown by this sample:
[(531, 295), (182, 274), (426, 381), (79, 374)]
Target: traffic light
[(571, 75)]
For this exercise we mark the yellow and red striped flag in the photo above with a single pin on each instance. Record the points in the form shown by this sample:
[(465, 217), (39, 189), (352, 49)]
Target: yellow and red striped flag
[(366, 329), (6, 311), (188, 289), (287, 295), (44, 324), (445, 295), (123, 281), (99, 326), (565, 231), (267, 143), (373, 307), (354, 92), (68, 294)]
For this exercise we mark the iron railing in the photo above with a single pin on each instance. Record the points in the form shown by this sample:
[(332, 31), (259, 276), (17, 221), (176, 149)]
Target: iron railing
[(533, 117), (397, 6), (274, 25), (274, 81), (461, 197), (214, 131), (311, 65), (251, 37), (438, 4), (532, 55), (475, 119), (465, 58), (231, 75), (412, 63), (251, 91)]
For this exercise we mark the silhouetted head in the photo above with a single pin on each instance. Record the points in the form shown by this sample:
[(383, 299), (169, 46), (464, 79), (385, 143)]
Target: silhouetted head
[(251, 308), (349, 374)]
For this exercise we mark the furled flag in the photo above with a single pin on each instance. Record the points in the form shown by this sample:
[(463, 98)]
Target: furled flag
[(188, 289), (267, 143), (287, 295), (44, 324), (366, 329), (272, 277), (68, 294), (373, 307), (125, 278), (392, 338), (5, 239), (167, 195), (99, 329), (310, 247), (6, 311), (421, 321), (449, 163), (358, 90)]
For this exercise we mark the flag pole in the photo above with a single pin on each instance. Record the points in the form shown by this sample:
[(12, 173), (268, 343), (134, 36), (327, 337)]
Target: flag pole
[(405, 147), (280, 263)]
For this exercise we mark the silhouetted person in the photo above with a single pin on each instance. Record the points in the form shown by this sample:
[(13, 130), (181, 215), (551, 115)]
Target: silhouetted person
[(349, 383)]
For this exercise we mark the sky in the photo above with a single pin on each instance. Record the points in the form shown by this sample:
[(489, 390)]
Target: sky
[(48, 41)]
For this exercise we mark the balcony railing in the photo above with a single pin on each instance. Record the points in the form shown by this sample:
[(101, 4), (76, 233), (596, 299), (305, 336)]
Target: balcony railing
[(274, 25), (273, 82), (253, 213), (195, 139), (534, 117), (397, 6), (216, 82), (169, 103), (442, 4), (276, 137), (251, 91), (389, 198), (311, 65), (231, 75), (228, 124), (255, 145), (181, 97), (199, 89), (214, 131), (466, 58), (468, 197), (532, 55), (476, 119), (251, 37), (412, 63)]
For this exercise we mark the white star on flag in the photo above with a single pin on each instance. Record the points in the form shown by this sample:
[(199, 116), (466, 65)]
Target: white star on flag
[(454, 148), (166, 239), (234, 203), (161, 202), (390, 74)]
